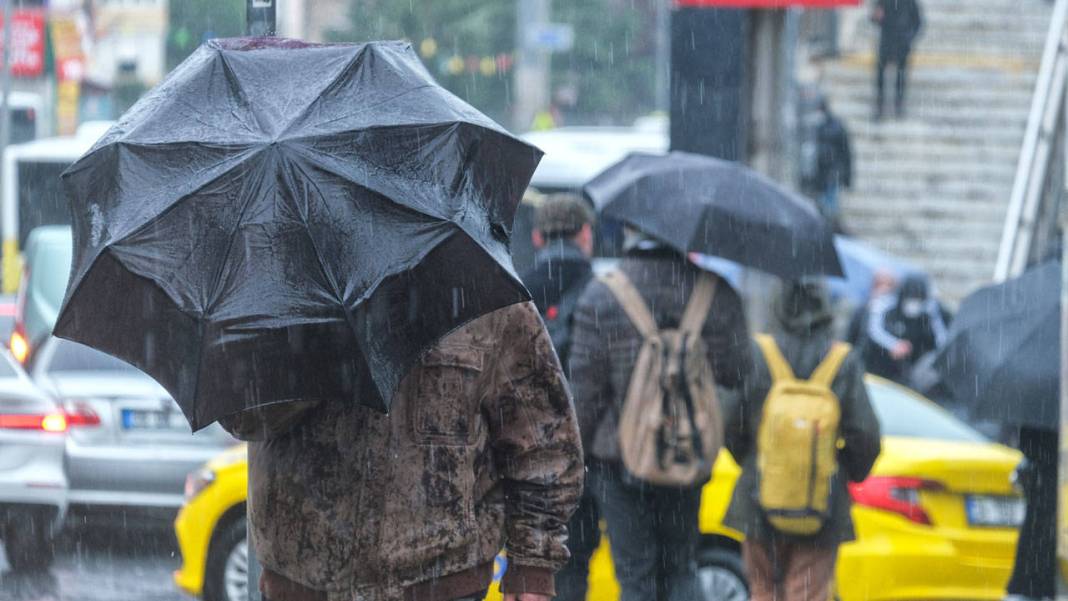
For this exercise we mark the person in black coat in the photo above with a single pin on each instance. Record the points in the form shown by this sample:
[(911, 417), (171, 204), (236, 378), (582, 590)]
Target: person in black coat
[(900, 22), (563, 237), (834, 161)]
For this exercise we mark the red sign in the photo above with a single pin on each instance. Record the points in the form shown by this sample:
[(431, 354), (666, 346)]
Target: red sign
[(27, 43), (764, 3)]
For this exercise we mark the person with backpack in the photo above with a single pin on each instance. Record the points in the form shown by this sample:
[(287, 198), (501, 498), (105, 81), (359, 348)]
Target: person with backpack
[(802, 428), (650, 343), (563, 237)]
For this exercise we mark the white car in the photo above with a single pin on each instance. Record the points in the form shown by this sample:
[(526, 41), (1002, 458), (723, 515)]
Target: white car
[(131, 462), (33, 485)]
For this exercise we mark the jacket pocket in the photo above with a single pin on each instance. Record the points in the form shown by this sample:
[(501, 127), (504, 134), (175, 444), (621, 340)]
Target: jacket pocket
[(430, 511), (446, 398)]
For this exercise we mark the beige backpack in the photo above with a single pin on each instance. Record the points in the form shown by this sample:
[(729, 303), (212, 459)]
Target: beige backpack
[(670, 430)]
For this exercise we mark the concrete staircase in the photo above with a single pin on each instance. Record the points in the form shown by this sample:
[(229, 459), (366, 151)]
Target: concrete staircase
[(934, 187)]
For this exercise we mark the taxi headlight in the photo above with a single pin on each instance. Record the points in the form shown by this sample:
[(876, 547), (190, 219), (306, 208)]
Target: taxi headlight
[(196, 482)]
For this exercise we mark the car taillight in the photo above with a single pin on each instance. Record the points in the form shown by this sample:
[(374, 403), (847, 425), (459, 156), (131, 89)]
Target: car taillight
[(80, 414), (75, 415), (48, 422), (20, 347), (897, 495)]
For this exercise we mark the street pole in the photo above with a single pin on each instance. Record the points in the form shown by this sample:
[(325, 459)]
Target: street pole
[(5, 85), (261, 17), (663, 56), (532, 64)]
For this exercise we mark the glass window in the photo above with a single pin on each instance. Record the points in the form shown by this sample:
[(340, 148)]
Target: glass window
[(71, 356), (902, 413)]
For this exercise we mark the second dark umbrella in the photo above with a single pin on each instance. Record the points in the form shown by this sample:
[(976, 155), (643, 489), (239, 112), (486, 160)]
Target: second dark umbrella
[(700, 204)]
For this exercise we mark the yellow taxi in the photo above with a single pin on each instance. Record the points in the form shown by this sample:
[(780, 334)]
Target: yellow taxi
[(936, 519)]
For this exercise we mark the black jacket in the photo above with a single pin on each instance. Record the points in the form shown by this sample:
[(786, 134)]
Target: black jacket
[(834, 161), (901, 22), (605, 344), (858, 428), (556, 281)]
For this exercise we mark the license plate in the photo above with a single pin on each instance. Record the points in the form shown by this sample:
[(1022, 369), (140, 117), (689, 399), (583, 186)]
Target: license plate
[(140, 419), (994, 511)]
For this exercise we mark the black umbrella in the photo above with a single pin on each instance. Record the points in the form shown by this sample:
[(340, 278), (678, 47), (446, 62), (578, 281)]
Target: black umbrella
[(700, 204), (280, 220), (1004, 350)]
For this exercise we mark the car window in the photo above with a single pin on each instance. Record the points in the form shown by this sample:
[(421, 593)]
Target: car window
[(71, 356), (901, 413), (50, 271)]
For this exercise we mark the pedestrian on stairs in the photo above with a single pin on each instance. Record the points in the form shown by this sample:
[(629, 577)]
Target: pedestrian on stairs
[(800, 376), (900, 22), (834, 162)]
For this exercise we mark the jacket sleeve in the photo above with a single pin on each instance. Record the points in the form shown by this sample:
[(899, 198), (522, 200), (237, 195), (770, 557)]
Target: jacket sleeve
[(877, 331), (859, 427), (727, 335), (847, 158), (590, 365), (741, 404), (536, 448)]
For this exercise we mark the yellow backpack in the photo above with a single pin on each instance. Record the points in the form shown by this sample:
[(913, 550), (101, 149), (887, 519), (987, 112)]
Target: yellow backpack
[(797, 442)]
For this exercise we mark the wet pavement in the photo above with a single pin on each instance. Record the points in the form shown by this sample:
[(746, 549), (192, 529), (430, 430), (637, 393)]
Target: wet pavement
[(101, 565)]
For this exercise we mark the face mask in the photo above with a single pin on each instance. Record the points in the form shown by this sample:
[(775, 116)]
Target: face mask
[(912, 307)]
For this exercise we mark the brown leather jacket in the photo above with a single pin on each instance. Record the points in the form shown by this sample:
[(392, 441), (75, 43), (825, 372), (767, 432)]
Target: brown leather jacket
[(480, 452)]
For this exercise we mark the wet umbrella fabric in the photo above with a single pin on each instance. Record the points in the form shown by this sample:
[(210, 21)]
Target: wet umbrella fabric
[(281, 220), (1003, 354), (700, 204)]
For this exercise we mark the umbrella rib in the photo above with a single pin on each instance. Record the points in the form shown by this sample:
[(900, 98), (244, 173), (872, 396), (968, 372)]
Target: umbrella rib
[(211, 300), (235, 81), (350, 115)]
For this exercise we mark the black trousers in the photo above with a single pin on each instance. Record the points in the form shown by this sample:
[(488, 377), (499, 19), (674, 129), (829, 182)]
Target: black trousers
[(654, 534), (1035, 572), (584, 535), (901, 66)]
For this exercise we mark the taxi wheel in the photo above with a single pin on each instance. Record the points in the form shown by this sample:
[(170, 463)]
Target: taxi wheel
[(722, 576), (226, 578), (28, 545)]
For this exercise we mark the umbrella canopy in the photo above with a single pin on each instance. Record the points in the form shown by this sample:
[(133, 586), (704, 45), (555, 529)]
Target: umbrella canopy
[(280, 220), (700, 204), (1004, 350)]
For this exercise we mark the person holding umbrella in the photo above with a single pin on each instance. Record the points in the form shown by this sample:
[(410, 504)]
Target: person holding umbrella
[(673, 205), (309, 244), (1003, 360)]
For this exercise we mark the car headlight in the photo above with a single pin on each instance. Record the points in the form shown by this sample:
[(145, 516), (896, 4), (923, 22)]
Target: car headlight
[(196, 482)]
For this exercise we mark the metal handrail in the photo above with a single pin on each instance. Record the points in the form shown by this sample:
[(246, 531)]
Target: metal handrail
[(1035, 153)]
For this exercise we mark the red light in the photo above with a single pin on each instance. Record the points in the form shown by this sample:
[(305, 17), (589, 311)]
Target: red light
[(76, 415), (896, 495), (552, 313), (51, 422), (80, 414)]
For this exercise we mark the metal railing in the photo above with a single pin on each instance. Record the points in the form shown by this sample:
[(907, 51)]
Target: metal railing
[(1029, 185)]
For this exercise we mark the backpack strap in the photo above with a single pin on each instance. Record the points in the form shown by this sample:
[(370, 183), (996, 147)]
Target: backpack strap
[(696, 312), (777, 364), (827, 370), (631, 301)]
